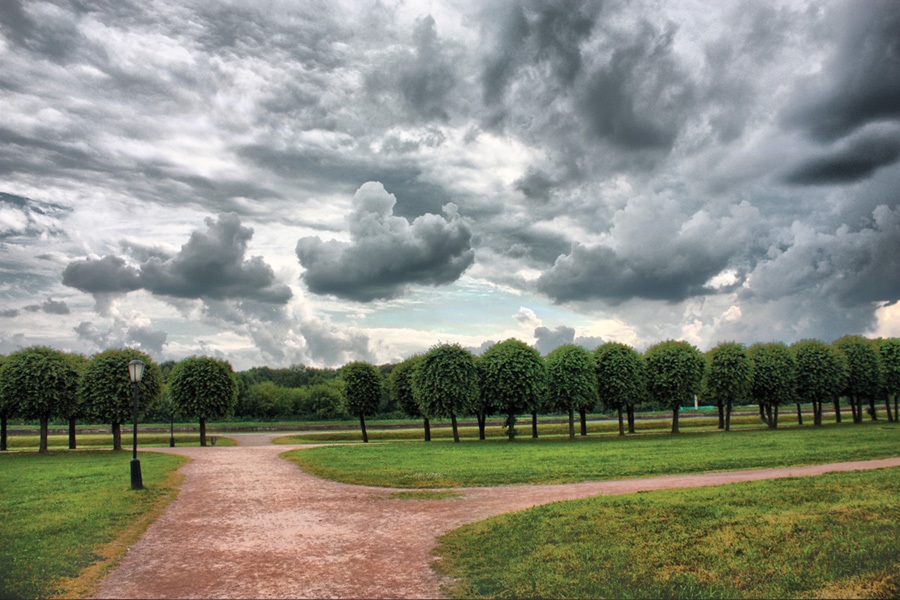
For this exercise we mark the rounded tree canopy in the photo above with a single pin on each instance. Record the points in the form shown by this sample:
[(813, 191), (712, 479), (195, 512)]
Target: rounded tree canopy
[(890, 364), (571, 379), (774, 374), (864, 376), (729, 372), (39, 382), (512, 377), (203, 387), (674, 372), (401, 383), (821, 371), (107, 389), (620, 375), (446, 381), (363, 388)]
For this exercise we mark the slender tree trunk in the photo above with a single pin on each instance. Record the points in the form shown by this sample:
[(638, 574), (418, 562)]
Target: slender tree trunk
[(896, 414), (872, 410), (675, 419), (621, 423), (887, 406), (455, 429), (817, 413), (837, 410), (629, 411), (117, 436), (571, 425), (721, 407), (728, 416), (202, 431), (45, 426), (71, 434), (769, 421), (482, 419), (510, 426), (762, 414), (582, 413), (775, 417), (853, 409), (3, 433), (427, 429), (534, 433), (800, 414), (362, 427)]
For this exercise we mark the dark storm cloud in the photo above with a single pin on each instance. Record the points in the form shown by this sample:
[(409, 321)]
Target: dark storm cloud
[(210, 265), (147, 339), (861, 83), (850, 162), (386, 253)]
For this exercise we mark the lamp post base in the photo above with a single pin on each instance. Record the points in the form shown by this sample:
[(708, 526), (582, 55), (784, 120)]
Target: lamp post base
[(137, 482)]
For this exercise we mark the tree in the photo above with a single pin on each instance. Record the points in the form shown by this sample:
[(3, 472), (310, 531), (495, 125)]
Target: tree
[(728, 378), (7, 411), (864, 378), (821, 370), (324, 401), (446, 383), (109, 393), (362, 391), (620, 379), (42, 383), (404, 394), (204, 388), (890, 365), (512, 379), (674, 372), (571, 381), (774, 379)]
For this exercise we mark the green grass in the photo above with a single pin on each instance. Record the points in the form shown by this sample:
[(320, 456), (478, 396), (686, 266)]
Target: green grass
[(96, 440), (424, 495), (67, 512), (558, 460), (832, 536)]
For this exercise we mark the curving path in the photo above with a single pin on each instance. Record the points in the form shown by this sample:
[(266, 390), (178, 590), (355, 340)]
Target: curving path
[(248, 524)]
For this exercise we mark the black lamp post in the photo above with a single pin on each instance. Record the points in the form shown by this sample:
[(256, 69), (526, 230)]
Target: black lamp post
[(135, 372)]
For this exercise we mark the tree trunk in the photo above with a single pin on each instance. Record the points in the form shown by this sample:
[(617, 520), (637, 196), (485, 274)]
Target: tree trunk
[(202, 431), (3, 433), (769, 421), (854, 409), (455, 430), (775, 417), (71, 434), (482, 419), (510, 426), (427, 429), (872, 410), (800, 414), (571, 425), (817, 413), (621, 424), (721, 414), (45, 425), (582, 413), (675, 419), (762, 414), (117, 436), (887, 406), (896, 414), (837, 410), (629, 410), (362, 427), (534, 433), (728, 416)]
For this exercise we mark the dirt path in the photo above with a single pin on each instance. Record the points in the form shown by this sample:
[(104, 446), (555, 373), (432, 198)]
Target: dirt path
[(248, 524)]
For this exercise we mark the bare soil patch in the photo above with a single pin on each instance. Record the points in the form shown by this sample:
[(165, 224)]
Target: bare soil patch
[(248, 524)]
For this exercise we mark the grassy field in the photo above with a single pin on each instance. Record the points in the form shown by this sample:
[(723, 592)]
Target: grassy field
[(69, 516), (96, 440), (558, 460), (830, 536)]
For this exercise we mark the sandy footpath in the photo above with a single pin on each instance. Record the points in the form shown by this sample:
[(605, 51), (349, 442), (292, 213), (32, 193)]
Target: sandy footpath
[(248, 524)]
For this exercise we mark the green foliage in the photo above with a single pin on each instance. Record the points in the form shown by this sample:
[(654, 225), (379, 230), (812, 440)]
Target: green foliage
[(402, 389), (821, 371), (728, 376), (363, 388), (40, 383), (571, 379), (446, 381), (203, 387), (512, 377), (620, 375), (323, 401), (107, 389), (674, 372), (864, 376), (774, 374)]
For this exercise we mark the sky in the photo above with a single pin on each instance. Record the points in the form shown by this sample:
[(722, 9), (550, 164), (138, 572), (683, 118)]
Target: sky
[(317, 182)]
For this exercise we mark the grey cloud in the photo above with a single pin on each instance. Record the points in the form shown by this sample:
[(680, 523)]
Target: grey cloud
[(9, 313), (119, 334), (549, 340), (535, 184), (332, 347), (51, 307), (861, 84), (107, 275), (147, 339), (386, 253), (852, 161)]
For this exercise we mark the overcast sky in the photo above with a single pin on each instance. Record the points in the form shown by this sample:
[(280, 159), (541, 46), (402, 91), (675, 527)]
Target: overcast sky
[(317, 182)]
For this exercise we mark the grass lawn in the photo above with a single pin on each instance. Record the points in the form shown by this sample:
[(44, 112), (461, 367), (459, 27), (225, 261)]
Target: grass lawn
[(830, 536), (97, 440), (559, 460), (68, 517)]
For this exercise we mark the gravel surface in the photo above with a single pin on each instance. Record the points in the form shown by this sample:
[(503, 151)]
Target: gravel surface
[(249, 524)]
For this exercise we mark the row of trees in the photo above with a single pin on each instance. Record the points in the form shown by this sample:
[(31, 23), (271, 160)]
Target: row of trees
[(41, 383), (511, 378)]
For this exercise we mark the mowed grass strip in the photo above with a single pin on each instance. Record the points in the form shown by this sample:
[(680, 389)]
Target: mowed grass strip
[(97, 440), (559, 460), (830, 536), (67, 512)]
